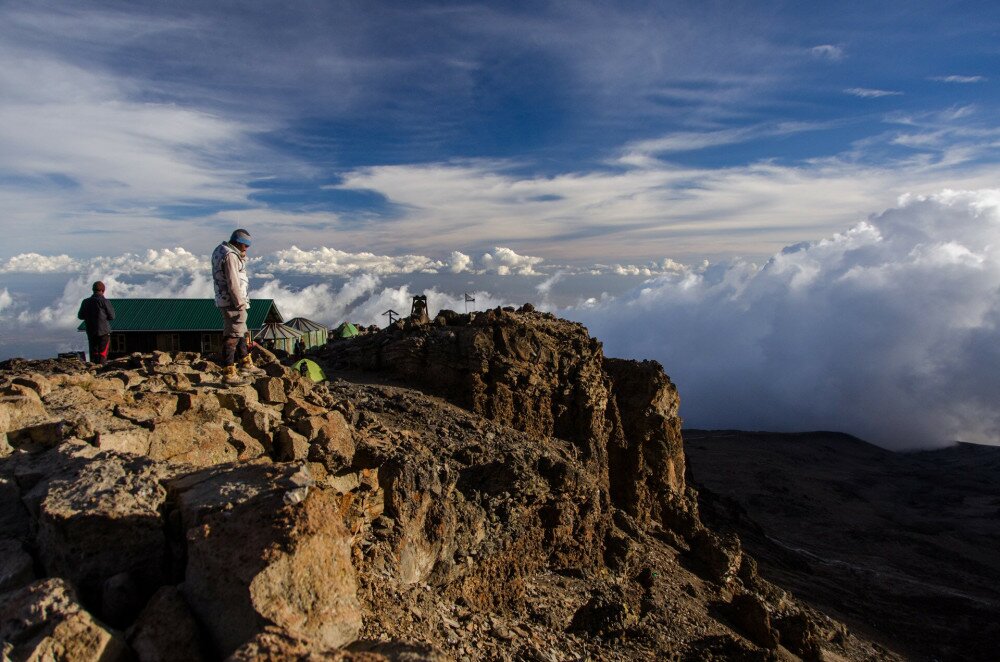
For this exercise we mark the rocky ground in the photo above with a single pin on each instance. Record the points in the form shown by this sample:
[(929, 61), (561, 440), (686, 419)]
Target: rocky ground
[(902, 546), (482, 488)]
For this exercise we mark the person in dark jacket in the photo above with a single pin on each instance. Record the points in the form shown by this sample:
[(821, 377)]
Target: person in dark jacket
[(97, 313)]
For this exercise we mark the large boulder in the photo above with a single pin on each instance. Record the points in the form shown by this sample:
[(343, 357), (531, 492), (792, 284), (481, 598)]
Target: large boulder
[(44, 621), (166, 630), (103, 520), (265, 548)]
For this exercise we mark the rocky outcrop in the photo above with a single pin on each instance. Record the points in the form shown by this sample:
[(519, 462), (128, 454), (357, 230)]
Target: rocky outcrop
[(547, 377), (540, 511)]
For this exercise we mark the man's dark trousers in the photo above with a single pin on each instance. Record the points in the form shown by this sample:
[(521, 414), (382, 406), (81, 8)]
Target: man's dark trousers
[(99, 348)]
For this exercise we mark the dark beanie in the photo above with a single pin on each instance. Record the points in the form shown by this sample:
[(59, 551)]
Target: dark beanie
[(98, 286), (240, 236)]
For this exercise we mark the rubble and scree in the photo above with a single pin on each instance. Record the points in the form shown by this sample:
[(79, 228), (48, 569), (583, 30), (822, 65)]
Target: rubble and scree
[(492, 487)]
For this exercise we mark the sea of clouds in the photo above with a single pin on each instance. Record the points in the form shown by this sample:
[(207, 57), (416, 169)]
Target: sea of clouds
[(888, 330)]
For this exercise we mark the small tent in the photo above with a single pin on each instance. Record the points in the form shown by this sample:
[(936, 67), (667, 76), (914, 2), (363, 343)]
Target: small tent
[(310, 369), (275, 335), (346, 330)]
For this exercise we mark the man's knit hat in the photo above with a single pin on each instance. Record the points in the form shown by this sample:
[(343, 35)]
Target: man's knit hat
[(240, 237)]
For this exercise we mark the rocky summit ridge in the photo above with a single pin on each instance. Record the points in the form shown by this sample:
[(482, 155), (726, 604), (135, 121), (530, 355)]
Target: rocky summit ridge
[(480, 487)]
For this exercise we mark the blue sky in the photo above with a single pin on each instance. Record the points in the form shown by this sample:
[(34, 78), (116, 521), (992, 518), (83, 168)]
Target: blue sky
[(581, 132)]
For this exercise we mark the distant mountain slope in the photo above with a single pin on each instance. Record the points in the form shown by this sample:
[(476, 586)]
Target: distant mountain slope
[(904, 546)]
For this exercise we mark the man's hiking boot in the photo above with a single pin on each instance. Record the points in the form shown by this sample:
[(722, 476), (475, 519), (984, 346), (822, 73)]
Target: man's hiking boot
[(247, 367), (231, 376)]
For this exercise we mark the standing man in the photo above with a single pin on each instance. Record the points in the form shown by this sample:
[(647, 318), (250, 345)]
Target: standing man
[(232, 298), (97, 313)]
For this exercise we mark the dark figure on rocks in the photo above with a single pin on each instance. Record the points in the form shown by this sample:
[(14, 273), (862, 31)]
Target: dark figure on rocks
[(300, 348), (232, 298), (97, 313)]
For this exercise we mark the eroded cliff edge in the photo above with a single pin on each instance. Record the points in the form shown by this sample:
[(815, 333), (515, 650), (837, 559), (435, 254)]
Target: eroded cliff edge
[(487, 487)]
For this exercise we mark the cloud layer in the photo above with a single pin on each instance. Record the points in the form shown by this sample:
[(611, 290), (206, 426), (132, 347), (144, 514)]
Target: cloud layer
[(890, 330), (321, 261)]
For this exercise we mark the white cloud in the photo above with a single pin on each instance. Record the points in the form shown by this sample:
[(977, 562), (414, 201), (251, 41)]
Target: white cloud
[(330, 261), (361, 300), (683, 141), (890, 330), (319, 261), (959, 79), (33, 263), (5, 300), (318, 302), (504, 262), (871, 93), (827, 52), (631, 270), (153, 261), (459, 262), (544, 288)]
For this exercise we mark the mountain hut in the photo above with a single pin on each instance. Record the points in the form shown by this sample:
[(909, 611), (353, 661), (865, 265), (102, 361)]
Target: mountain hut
[(313, 333), (177, 325)]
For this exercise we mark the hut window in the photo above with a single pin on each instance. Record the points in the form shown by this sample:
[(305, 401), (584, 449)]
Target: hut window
[(211, 342), (117, 342)]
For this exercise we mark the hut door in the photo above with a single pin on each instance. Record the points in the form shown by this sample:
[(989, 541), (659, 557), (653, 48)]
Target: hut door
[(168, 342)]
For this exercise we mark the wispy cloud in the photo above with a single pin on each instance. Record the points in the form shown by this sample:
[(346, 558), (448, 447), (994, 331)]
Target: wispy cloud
[(684, 141), (871, 93), (959, 79), (827, 52), (638, 210)]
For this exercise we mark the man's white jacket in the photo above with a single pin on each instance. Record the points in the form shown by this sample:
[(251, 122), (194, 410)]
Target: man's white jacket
[(229, 273)]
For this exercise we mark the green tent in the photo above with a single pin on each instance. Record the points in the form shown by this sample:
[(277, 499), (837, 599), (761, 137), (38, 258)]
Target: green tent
[(346, 330), (310, 368)]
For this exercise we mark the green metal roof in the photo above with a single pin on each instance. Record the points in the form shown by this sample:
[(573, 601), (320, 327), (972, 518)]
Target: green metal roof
[(182, 315)]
